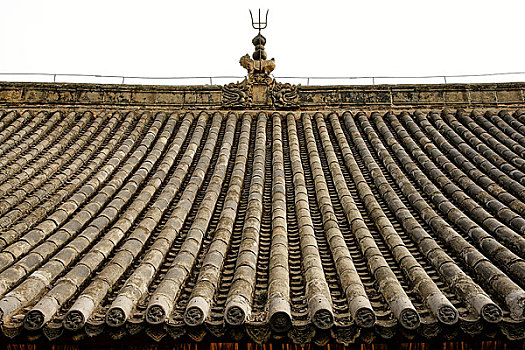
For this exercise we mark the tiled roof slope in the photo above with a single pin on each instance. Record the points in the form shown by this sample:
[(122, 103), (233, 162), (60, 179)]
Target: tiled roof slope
[(293, 226)]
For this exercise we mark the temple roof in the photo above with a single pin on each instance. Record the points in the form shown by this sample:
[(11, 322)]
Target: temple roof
[(269, 224)]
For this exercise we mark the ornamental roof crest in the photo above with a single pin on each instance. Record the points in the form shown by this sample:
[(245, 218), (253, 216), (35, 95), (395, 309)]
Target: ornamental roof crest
[(259, 89)]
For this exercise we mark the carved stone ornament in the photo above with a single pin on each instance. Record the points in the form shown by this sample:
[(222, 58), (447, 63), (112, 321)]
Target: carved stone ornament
[(237, 94), (259, 89)]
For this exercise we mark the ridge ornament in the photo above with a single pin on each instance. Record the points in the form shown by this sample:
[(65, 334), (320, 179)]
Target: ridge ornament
[(259, 89)]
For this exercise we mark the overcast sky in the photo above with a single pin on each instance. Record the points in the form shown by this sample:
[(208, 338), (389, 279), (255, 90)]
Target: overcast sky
[(316, 38)]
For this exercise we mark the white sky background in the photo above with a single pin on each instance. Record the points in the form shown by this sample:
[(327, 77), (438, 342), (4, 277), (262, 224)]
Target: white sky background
[(306, 38)]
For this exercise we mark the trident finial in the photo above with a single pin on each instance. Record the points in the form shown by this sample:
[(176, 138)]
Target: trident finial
[(261, 24)]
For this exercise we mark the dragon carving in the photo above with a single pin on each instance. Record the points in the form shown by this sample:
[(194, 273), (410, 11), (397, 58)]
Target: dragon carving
[(237, 95), (284, 95)]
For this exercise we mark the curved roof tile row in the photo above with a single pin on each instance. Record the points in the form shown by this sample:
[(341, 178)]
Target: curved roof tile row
[(300, 226)]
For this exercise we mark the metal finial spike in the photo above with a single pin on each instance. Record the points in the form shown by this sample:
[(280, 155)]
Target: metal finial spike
[(260, 24)]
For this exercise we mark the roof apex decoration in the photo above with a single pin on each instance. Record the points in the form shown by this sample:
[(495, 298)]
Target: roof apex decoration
[(259, 90)]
